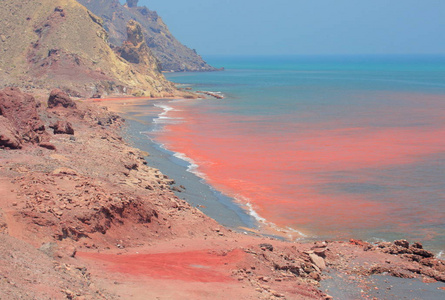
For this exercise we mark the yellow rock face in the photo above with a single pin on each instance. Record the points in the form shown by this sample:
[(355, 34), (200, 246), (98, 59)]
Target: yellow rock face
[(59, 43)]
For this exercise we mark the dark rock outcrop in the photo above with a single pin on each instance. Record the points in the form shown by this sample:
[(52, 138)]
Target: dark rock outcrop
[(58, 98), (21, 111), (172, 55)]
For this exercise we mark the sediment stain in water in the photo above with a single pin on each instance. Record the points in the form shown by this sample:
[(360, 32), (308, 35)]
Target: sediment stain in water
[(365, 171)]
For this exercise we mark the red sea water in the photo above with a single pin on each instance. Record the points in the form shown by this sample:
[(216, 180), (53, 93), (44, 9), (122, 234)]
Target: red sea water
[(330, 147)]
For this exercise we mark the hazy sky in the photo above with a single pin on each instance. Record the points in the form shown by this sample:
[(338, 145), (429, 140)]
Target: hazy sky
[(306, 26)]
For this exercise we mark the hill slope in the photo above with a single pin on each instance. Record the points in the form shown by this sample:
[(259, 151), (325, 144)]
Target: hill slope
[(173, 55), (59, 43)]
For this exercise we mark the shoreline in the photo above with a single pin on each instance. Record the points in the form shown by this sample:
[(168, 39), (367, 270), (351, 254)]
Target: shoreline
[(209, 200), (88, 218), (259, 225)]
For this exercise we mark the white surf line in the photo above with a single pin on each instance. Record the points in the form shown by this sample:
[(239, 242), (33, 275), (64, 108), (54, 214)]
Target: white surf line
[(193, 168), (246, 202)]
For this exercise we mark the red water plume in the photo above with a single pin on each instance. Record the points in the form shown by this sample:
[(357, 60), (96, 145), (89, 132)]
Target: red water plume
[(290, 170)]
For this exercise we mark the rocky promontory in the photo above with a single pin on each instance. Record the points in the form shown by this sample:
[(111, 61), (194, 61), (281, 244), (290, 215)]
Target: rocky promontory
[(172, 55)]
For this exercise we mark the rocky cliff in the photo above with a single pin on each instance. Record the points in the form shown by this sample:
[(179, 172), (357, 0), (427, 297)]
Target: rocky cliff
[(59, 43), (173, 55)]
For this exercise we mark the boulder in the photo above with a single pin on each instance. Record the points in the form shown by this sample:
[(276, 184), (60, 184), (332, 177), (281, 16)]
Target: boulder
[(417, 245), (58, 98), (9, 136), (421, 252), (21, 111), (402, 243), (62, 127), (318, 261), (47, 145)]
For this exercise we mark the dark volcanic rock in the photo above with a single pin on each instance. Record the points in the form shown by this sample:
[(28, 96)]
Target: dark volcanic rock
[(21, 111), (60, 98), (9, 137), (62, 127)]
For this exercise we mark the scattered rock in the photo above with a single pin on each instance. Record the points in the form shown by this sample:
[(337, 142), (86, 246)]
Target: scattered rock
[(417, 245), (320, 252), (384, 245), (176, 189), (421, 252), (266, 246), (69, 251), (62, 127), (47, 145), (402, 243), (318, 261), (64, 171), (49, 248)]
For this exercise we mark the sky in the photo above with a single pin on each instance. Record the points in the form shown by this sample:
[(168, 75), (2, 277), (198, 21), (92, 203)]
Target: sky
[(287, 27)]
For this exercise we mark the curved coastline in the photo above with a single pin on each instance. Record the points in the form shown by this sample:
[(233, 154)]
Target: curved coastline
[(214, 203), (233, 212), (337, 287), (178, 166)]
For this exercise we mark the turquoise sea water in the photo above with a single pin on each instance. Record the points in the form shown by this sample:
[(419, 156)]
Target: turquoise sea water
[(333, 147)]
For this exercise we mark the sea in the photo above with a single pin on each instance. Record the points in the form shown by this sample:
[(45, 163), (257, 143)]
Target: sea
[(320, 147)]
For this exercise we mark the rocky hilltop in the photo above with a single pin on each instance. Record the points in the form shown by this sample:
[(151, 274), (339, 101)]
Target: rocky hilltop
[(59, 43), (173, 55)]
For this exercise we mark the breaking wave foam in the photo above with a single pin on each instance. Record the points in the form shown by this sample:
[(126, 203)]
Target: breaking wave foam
[(261, 220), (192, 167), (162, 118)]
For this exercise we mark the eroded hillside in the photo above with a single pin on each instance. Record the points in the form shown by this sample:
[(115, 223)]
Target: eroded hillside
[(59, 43)]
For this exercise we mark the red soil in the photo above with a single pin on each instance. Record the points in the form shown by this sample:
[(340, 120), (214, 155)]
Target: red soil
[(200, 266)]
